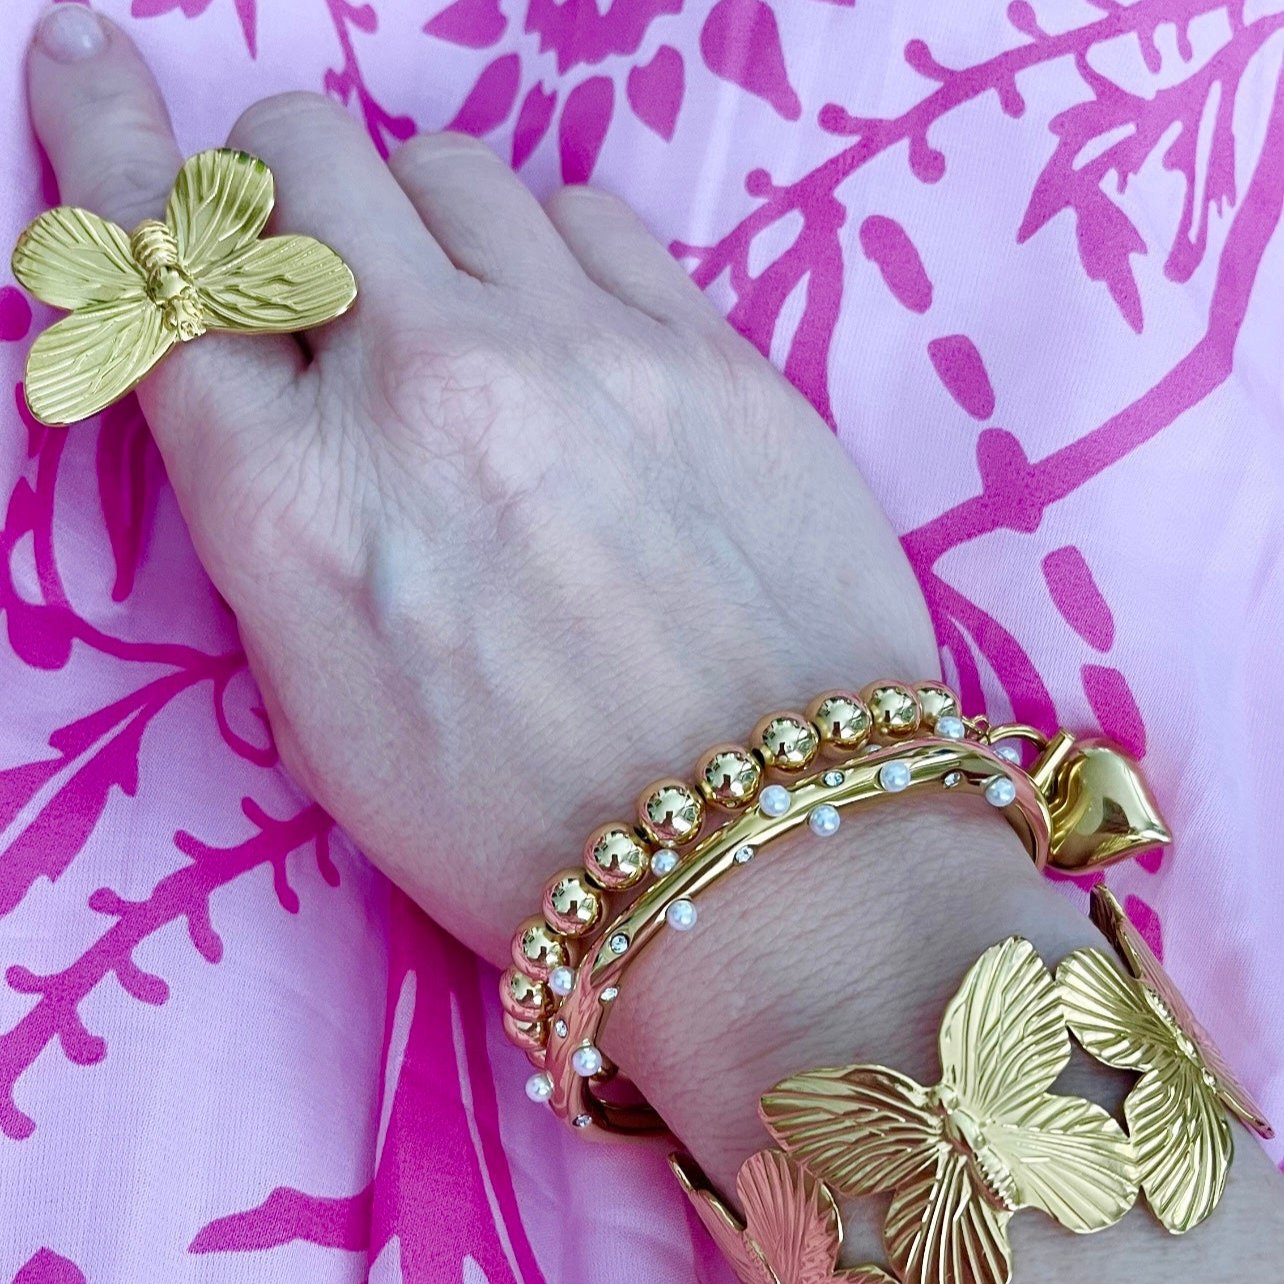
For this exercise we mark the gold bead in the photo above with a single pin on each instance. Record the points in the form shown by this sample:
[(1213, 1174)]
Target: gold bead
[(615, 856), (538, 949), (670, 813), (522, 996), (571, 903), (894, 708), (786, 741), (729, 776), (937, 701), (527, 1035), (841, 718)]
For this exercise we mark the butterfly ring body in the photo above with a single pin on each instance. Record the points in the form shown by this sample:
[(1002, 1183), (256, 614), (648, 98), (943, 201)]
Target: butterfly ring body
[(155, 250), (132, 297)]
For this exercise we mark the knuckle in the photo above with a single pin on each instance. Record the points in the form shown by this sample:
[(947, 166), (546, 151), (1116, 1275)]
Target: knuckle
[(283, 115), (424, 149), (574, 204)]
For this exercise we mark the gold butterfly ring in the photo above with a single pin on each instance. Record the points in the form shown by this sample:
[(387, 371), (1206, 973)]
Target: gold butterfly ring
[(132, 297)]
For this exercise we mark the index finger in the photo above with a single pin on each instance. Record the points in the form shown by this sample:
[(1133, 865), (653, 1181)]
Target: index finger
[(98, 112)]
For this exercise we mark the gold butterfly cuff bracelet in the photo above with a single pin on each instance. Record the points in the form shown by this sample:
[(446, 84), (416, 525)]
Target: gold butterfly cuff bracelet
[(960, 1157), (133, 296)]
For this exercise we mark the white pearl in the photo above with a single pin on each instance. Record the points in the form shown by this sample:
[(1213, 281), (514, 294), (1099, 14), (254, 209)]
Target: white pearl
[(894, 776), (1000, 792), (1009, 753), (949, 728), (774, 800), (560, 1028), (681, 915), (539, 1087), (824, 820), (561, 980), (586, 1061), (664, 862)]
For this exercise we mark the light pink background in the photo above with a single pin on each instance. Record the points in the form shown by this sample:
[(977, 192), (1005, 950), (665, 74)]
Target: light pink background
[(1027, 262)]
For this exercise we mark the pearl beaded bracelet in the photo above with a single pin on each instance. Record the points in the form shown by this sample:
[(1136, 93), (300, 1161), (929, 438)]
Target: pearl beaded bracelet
[(1080, 801)]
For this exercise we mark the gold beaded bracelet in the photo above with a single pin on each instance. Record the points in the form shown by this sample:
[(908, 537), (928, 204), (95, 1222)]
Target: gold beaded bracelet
[(960, 1157), (1080, 804)]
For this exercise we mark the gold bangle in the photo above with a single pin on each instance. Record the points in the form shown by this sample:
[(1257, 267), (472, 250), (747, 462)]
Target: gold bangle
[(671, 903), (960, 1157), (1080, 804)]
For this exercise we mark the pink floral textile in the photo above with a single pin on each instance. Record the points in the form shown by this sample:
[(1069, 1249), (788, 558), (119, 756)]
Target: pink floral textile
[(1026, 258)]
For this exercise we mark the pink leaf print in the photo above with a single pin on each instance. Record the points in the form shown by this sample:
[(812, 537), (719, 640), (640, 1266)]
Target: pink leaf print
[(475, 24), (582, 129), (491, 98), (126, 457), (960, 368), (655, 91), (47, 1267), (740, 42), (888, 246), (1076, 595), (194, 8), (1146, 921), (15, 314), (533, 119), (585, 32), (287, 1215), (181, 896), (1115, 707)]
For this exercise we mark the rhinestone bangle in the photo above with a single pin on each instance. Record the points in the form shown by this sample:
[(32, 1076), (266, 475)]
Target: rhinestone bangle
[(819, 801)]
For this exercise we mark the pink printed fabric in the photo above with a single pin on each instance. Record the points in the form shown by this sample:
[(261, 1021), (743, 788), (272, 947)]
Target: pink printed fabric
[(1027, 262)]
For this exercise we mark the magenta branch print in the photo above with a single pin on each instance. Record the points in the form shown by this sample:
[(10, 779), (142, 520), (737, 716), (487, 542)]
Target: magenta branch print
[(1026, 264)]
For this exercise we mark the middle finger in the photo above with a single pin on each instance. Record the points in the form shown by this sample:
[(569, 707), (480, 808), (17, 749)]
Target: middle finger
[(333, 184)]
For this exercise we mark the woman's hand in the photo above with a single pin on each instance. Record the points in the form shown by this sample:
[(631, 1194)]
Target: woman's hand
[(527, 529), (532, 526)]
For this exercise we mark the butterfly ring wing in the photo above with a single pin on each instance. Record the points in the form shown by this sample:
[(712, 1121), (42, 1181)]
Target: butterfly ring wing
[(220, 204), (86, 361)]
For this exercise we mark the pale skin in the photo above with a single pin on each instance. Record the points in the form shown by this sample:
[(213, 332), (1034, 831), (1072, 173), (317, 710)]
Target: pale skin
[(531, 527)]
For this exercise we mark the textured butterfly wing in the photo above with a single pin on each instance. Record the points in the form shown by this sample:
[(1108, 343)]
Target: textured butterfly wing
[(939, 1230), (792, 1233), (1069, 1158), (862, 1129), (1114, 922), (1108, 1012), (723, 1225), (1003, 1038), (219, 206), (281, 284), (1182, 1140), (93, 357), (70, 259)]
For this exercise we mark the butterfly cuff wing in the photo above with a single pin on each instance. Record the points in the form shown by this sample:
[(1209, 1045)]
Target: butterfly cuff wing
[(939, 1230), (861, 1128)]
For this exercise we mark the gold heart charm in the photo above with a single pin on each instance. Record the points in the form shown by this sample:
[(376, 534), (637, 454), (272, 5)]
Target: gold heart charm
[(1101, 808)]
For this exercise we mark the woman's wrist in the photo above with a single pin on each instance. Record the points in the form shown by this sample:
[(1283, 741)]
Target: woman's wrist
[(820, 955), (849, 953)]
